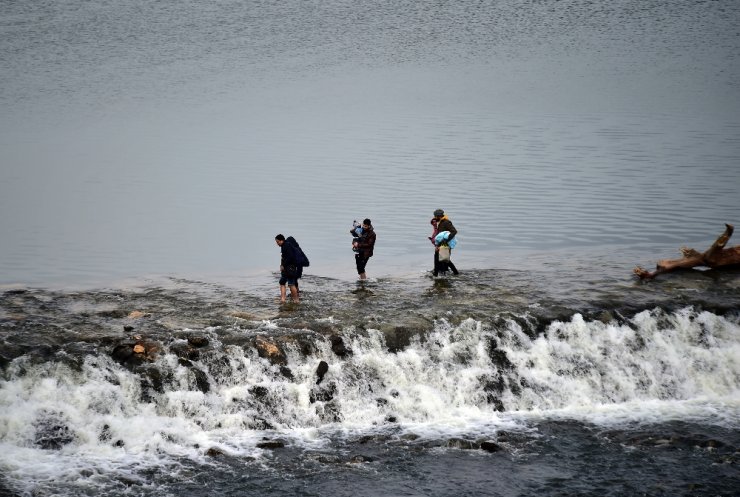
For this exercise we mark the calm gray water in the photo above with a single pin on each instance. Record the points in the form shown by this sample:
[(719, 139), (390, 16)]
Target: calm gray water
[(178, 138)]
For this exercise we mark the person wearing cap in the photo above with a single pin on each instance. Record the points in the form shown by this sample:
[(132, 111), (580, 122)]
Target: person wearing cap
[(443, 224), (364, 245)]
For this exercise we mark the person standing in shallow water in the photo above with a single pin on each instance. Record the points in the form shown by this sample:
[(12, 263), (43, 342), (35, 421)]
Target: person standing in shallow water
[(292, 261), (443, 224), (433, 222), (364, 246)]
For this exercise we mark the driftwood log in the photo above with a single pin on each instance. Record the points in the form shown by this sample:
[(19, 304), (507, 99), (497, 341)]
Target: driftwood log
[(716, 256)]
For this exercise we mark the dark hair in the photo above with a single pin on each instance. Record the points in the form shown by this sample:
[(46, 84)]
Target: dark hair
[(280, 237), (367, 221)]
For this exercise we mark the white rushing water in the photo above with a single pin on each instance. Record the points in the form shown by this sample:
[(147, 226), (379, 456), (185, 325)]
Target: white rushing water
[(656, 368)]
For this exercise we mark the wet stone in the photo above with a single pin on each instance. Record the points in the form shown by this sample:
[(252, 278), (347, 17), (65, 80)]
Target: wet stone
[(490, 446), (459, 443), (321, 370), (201, 380), (269, 350), (360, 459), (286, 372), (271, 444), (197, 341), (338, 346)]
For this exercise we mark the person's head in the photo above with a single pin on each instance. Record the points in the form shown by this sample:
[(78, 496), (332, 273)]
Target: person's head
[(366, 223), (279, 239), (439, 214), (434, 221)]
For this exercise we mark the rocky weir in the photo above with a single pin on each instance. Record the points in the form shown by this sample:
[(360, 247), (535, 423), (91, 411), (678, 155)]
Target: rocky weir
[(345, 351)]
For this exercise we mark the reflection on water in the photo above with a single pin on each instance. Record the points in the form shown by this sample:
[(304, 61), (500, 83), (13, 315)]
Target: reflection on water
[(170, 138)]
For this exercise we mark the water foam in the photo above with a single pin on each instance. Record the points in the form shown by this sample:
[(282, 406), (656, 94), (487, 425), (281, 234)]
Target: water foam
[(58, 421)]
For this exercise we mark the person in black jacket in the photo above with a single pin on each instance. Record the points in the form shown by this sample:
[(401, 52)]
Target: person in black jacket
[(292, 262), (364, 246)]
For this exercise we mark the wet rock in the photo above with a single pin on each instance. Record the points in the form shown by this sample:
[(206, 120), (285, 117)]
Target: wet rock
[(711, 444), (201, 380), (123, 352), (494, 386), (4, 361), (490, 446), (606, 317), (269, 350), (151, 381), (114, 314), (321, 371), (459, 443), (358, 459), (185, 351), (243, 315), (326, 459), (498, 357), (373, 438), (391, 419), (198, 342), (52, 432), (398, 338), (128, 328), (286, 372), (214, 452), (271, 444), (410, 437), (134, 353), (338, 347), (138, 315), (304, 342)]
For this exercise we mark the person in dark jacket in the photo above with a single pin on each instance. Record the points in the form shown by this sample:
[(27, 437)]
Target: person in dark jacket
[(443, 224), (292, 262), (364, 246)]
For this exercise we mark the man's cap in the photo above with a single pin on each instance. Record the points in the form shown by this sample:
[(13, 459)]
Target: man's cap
[(439, 212)]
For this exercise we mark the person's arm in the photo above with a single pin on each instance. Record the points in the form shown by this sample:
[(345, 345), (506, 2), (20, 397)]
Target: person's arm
[(367, 242), (371, 240)]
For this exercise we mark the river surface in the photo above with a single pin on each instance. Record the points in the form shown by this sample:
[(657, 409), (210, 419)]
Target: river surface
[(151, 151)]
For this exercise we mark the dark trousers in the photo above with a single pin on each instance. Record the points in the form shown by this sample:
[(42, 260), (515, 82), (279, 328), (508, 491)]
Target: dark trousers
[(442, 266), (361, 262)]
